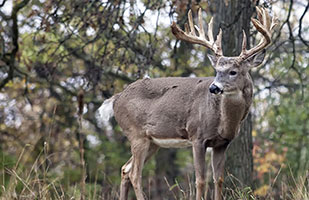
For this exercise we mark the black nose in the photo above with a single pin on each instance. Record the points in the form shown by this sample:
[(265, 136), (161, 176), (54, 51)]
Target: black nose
[(214, 89)]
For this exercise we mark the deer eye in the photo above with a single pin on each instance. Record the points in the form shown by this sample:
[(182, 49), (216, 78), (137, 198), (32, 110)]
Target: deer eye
[(233, 73)]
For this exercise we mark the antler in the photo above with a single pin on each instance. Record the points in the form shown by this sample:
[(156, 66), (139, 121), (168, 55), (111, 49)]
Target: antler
[(190, 36), (265, 26)]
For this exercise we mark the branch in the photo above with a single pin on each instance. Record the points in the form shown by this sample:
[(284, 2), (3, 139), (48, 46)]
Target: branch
[(15, 35), (292, 39), (2, 4), (300, 26), (20, 5), (15, 32), (88, 61)]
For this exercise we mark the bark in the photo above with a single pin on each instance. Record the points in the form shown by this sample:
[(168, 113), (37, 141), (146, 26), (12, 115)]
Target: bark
[(232, 17), (239, 160)]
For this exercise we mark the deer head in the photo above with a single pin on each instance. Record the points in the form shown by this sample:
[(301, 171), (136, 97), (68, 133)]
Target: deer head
[(231, 72)]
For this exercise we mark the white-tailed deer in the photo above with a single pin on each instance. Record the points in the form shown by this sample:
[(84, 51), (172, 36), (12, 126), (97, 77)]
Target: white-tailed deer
[(182, 112)]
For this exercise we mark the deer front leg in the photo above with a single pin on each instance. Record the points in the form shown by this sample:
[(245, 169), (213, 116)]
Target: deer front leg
[(199, 151), (218, 158)]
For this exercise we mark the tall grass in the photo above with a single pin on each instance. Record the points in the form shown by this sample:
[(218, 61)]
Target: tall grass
[(36, 182), (29, 183)]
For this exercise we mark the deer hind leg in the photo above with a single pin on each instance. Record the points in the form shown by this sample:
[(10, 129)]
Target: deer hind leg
[(125, 180), (218, 158), (139, 148), (126, 168)]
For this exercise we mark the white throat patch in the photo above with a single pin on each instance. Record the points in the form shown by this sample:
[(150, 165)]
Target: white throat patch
[(235, 93)]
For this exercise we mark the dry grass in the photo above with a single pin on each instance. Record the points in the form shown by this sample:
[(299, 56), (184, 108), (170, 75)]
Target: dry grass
[(37, 183)]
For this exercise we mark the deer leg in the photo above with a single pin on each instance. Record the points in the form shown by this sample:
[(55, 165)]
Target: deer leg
[(139, 148), (126, 168), (218, 158), (125, 180), (199, 151), (153, 148)]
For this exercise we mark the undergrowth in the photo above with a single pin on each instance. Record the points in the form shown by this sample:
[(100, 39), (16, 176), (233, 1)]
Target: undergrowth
[(39, 182)]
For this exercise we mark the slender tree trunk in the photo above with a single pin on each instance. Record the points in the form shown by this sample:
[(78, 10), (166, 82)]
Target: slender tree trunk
[(233, 16), (166, 170)]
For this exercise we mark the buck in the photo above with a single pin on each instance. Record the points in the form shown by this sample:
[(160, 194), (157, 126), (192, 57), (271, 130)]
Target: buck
[(183, 112)]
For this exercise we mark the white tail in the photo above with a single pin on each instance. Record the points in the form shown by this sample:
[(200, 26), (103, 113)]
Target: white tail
[(106, 110)]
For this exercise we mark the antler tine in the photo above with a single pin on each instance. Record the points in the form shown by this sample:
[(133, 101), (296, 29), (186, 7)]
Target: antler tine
[(273, 22), (218, 45), (267, 19), (190, 35), (259, 14), (265, 26), (201, 27), (187, 30), (209, 33), (244, 42), (192, 31)]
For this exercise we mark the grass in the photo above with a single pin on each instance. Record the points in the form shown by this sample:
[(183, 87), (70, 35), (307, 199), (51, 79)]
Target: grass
[(38, 181)]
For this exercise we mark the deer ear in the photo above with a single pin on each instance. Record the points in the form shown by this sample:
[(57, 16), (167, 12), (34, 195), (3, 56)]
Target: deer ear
[(256, 59), (213, 59)]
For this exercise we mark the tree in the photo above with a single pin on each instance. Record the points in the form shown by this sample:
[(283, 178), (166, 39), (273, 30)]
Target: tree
[(233, 17)]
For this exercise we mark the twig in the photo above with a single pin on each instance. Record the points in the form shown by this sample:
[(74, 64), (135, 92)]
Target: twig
[(2, 3), (273, 183), (14, 35), (292, 39), (81, 143), (300, 25), (170, 188), (13, 173)]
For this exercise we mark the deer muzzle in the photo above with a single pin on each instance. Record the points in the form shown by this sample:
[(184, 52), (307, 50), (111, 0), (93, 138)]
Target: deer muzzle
[(215, 89)]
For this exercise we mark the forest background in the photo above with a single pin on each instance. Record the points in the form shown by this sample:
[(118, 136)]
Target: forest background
[(59, 60)]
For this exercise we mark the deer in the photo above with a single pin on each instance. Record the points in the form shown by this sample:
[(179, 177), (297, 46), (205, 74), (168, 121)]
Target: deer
[(179, 112)]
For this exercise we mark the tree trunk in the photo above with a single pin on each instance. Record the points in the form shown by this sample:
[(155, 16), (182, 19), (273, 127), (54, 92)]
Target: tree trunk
[(233, 16), (166, 168)]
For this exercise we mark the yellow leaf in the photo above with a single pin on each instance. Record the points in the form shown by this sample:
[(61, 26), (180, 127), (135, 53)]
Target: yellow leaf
[(262, 191), (254, 133), (2, 126), (263, 168)]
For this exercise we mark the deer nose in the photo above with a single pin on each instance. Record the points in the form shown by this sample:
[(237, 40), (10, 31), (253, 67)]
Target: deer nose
[(214, 89)]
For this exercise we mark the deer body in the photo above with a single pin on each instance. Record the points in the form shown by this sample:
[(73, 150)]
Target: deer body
[(176, 108), (181, 112)]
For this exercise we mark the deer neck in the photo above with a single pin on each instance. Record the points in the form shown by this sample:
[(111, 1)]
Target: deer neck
[(232, 110)]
